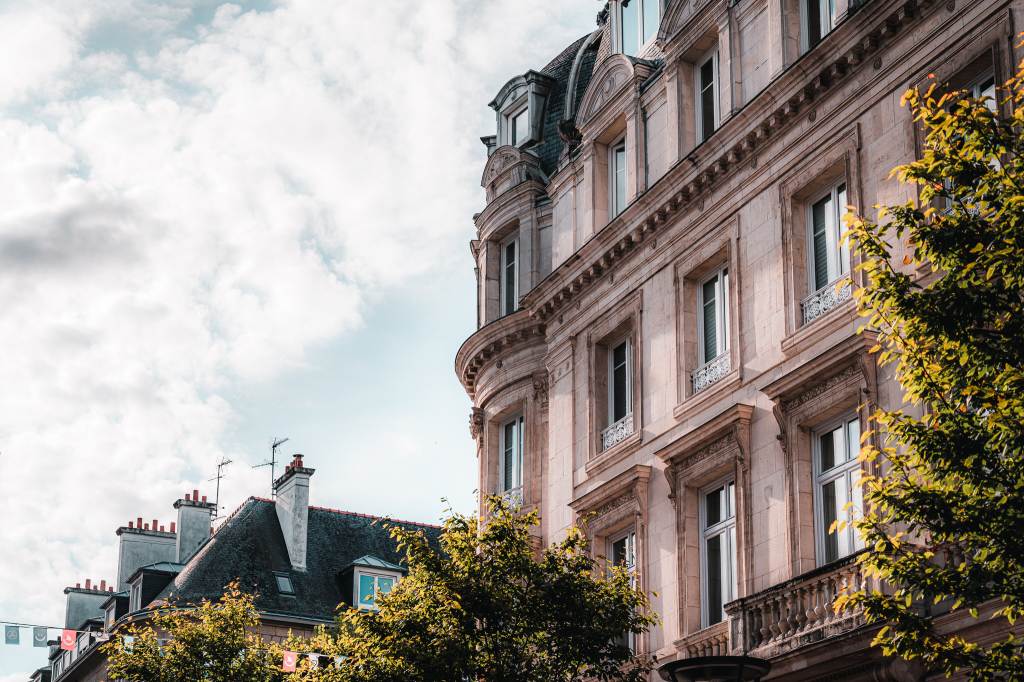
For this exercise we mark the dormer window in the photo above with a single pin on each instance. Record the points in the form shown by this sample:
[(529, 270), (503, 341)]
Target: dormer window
[(284, 584), (372, 584), (638, 23), (518, 126)]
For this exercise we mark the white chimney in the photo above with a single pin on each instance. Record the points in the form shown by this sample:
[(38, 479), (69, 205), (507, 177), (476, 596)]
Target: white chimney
[(194, 523), (293, 509)]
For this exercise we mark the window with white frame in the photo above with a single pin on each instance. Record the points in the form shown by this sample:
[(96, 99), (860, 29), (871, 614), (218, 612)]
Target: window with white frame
[(638, 24), (836, 470), (714, 315), (828, 258), (717, 550), (706, 87), (982, 86), (369, 585), (510, 275), (135, 596), (620, 381), (512, 454), (622, 551), (517, 124), (818, 20), (617, 170)]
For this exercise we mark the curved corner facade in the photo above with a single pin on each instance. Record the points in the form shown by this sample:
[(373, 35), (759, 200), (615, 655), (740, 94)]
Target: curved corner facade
[(667, 351)]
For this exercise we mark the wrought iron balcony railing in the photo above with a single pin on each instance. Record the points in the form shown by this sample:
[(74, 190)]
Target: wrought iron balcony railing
[(826, 298), (617, 432), (710, 372)]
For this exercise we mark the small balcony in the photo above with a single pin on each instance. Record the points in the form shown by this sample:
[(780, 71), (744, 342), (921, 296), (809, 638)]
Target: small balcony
[(513, 497), (617, 432), (826, 298), (796, 613), (711, 641), (710, 372)]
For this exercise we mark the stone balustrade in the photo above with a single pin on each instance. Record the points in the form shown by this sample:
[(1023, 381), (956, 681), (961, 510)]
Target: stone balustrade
[(711, 641), (796, 613)]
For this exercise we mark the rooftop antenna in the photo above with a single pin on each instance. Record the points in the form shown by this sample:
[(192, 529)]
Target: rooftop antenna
[(275, 443), (220, 474)]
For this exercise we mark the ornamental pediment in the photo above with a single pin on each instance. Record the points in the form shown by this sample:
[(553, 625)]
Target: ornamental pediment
[(611, 77), (508, 167)]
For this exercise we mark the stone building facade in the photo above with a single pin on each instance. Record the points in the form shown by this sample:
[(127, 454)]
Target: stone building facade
[(667, 350)]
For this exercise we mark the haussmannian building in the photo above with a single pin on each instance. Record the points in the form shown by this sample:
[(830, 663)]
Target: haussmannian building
[(667, 349)]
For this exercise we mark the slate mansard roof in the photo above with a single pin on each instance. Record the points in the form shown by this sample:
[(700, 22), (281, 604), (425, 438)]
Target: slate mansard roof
[(560, 68), (250, 547)]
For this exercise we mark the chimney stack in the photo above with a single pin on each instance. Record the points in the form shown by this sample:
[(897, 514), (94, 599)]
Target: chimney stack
[(103, 585), (172, 527), (293, 509), (194, 523), (88, 582)]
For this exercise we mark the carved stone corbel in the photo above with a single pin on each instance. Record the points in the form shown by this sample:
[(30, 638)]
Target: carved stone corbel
[(742, 435), (779, 410), (540, 390), (671, 475), (476, 425), (868, 367)]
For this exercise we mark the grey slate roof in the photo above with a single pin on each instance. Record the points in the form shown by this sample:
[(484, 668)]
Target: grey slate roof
[(560, 68), (250, 548)]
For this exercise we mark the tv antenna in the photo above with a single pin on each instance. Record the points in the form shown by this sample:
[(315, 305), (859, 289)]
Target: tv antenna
[(220, 474), (275, 443)]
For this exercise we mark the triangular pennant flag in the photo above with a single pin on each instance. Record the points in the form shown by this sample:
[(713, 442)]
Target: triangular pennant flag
[(12, 634), (67, 639), (128, 642), (288, 665), (38, 636), (338, 660), (314, 661)]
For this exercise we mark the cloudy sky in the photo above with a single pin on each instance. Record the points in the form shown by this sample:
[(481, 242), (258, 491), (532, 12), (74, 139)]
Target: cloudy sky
[(225, 222)]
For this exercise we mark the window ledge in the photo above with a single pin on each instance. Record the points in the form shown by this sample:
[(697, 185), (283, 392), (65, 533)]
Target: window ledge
[(616, 452), (809, 334), (710, 394)]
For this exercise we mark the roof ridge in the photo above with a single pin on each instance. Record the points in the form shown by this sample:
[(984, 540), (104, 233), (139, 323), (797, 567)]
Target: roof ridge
[(379, 518)]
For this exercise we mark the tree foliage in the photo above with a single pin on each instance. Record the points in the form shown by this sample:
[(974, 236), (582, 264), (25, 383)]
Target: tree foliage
[(215, 641), (945, 521), (485, 608)]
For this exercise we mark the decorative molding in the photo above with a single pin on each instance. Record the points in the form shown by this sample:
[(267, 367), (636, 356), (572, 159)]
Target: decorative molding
[(825, 386), (612, 501), (509, 167), (611, 77)]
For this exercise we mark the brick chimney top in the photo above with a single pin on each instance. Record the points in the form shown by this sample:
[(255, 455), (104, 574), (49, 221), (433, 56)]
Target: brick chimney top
[(297, 462)]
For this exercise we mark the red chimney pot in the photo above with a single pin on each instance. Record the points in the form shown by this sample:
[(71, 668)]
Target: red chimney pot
[(204, 498), (131, 524), (147, 526), (88, 582), (187, 497), (78, 585), (138, 523), (110, 589), (162, 529), (195, 495), (172, 526), (103, 585)]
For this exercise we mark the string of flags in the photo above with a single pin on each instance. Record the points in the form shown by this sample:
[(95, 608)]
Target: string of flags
[(68, 639)]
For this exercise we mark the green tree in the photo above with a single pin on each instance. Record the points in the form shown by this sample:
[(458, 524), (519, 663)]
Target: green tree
[(216, 641), (487, 608), (945, 520)]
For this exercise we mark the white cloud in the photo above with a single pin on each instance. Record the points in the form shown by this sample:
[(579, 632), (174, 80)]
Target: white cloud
[(188, 208)]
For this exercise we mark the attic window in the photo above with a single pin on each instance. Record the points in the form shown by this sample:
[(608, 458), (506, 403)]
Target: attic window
[(284, 584), (370, 584), (518, 126)]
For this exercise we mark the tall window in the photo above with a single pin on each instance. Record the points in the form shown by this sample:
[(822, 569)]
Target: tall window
[(512, 454), (518, 126), (622, 549), (638, 22), (828, 260), (620, 381), (836, 470), (510, 276), (617, 166), (707, 95), (718, 549), (819, 18), (714, 318), (983, 86), (372, 584)]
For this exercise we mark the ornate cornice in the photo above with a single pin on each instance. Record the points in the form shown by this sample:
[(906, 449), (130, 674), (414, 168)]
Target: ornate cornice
[(492, 341)]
